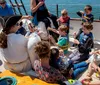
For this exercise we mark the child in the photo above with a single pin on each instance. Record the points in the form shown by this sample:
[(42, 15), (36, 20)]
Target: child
[(58, 61), (42, 67), (85, 44), (64, 19), (93, 67), (86, 15), (82, 66), (63, 39)]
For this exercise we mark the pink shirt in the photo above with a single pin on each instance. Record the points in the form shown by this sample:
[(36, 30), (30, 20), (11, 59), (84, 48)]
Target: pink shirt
[(64, 20)]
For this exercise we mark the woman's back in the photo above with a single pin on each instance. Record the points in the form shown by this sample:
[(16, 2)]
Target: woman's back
[(16, 51)]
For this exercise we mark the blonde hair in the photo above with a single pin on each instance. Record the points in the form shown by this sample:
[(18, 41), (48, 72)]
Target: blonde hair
[(63, 28), (64, 11)]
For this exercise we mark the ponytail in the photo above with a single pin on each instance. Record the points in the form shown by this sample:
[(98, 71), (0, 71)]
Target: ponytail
[(3, 40)]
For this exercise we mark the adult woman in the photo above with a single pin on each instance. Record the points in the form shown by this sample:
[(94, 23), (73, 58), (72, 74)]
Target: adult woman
[(14, 46), (40, 12)]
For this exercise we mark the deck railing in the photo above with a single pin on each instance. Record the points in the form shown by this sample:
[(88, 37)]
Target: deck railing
[(20, 7), (56, 9)]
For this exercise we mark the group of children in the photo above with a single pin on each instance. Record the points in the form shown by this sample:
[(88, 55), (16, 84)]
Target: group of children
[(54, 64), (77, 62)]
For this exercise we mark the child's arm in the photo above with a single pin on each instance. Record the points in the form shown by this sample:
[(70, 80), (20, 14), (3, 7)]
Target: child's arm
[(86, 46), (95, 52), (54, 30), (26, 17), (32, 28), (76, 42)]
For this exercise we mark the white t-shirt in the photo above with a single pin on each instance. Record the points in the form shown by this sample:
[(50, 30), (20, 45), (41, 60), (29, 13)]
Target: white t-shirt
[(16, 51)]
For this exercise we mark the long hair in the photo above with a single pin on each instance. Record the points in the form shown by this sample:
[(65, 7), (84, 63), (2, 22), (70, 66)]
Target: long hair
[(3, 40)]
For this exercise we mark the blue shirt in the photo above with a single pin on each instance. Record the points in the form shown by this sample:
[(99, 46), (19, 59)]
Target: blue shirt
[(8, 10), (90, 16), (83, 37)]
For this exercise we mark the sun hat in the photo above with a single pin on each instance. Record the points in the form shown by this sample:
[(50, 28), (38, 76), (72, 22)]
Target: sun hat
[(9, 21)]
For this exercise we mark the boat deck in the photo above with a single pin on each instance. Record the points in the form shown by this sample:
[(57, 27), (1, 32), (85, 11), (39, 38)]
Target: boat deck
[(75, 25)]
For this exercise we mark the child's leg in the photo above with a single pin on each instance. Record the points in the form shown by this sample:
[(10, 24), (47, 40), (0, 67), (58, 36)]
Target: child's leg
[(99, 69), (94, 83), (90, 71), (72, 54), (75, 57), (94, 66), (78, 71), (81, 64)]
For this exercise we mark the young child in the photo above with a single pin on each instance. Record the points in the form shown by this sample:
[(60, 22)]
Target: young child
[(85, 43), (59, 61), (86, 15), (64, 19), (63, 39), (82, 66), (93, 67), (42, 67)]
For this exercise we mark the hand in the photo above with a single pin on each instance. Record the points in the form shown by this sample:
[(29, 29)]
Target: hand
[(82, 12), (76, 41), (50, 29), (49, 13), (40, 3), (57, 20), (27, 17), (74, 34)]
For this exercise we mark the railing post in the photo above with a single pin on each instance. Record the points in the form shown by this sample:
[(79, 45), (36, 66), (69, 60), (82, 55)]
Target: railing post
[(57, 10)]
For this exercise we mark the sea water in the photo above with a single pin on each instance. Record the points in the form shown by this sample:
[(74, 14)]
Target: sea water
[(71, 5)]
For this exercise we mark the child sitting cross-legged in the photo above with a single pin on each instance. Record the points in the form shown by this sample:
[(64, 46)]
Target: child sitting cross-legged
[(85, 44), (63, 38)]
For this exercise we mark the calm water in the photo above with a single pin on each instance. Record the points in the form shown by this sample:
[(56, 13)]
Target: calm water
[(71, 5)]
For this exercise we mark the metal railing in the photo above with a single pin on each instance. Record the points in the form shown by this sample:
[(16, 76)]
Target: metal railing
[(18, 4), (54, 8)]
